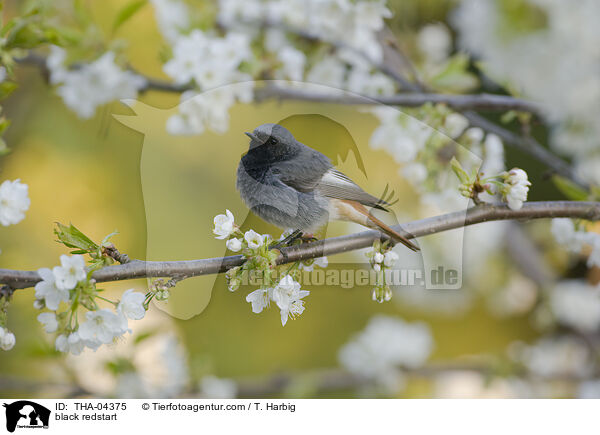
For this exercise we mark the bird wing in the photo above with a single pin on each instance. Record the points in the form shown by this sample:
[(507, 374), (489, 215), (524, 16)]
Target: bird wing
[(335, 184)]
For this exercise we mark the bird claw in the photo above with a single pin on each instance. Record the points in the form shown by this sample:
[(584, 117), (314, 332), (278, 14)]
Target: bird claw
[(288, 240)]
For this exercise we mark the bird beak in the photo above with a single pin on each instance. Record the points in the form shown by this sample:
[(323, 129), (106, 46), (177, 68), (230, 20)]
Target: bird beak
[(251, 136)]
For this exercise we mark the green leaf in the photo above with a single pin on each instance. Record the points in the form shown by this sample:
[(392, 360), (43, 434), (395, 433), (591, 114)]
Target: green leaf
[(518, 18), (455, 75), (570, 189), (120, 365), (143, 336), (128, 11), (104, 241), (4, 149), (71, 237), (459, 171), (6, 88), (508, 117)]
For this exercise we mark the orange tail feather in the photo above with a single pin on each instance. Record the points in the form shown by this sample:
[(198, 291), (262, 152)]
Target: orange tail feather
[(384, 227)]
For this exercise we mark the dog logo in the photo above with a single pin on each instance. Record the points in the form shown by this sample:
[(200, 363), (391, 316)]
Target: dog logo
[(26, 414)]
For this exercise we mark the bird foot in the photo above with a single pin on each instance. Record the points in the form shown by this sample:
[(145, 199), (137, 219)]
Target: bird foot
[(308, 238), (288, 240)]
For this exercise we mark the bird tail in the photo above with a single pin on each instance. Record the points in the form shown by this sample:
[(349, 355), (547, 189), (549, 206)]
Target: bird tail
[(392, 233), (381, 226)]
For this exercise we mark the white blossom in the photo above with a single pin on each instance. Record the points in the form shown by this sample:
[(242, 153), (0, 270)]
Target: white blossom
[(399, 134), (295, 308), (493, 162), (594, 257), (14, 202), (47, 290), (73, 343), (516, 195), (556, 357), (93, 84), (570, 97), (516, 188), (285, 291), (517, 297), (474, 134), (49, 321), (292, 63), (390, 258), (455, 124), (174, 358), (355, 23), (7, 339), (208, 61), (259, 299), (288, 297), (254, 239), (328, 71), (210, 109), (132, 305), (435, 42), (378, 257), (172, 17), (385, 345), (70, 272), (56, 64), (576, 304), (232, 12), (62, 344), (234, 244), (563, 230), (103, 326), (415, 172), (370, 14), (363, 81), (224, 225)]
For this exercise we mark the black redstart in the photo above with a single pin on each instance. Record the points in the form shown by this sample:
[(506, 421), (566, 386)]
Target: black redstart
[(291, 185)]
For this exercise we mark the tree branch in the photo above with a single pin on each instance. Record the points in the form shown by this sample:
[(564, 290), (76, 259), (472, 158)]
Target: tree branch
[(528, 145), (17, 279), (416, 99), (324, 380), (415, 95), (524, 143)]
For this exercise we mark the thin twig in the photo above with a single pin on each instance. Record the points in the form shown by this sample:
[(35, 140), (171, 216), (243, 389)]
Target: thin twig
[(528, 145), (18, 279)]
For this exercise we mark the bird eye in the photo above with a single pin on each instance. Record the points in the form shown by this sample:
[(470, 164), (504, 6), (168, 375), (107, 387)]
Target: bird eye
[(272, 141)]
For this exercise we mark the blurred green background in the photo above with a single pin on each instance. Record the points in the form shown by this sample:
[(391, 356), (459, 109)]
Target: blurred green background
[(88, 173)]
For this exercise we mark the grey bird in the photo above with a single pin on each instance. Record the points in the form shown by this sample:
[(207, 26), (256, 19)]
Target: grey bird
[(291, 185)]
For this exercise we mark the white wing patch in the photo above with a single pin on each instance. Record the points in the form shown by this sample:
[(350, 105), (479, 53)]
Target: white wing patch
[(335, 184)]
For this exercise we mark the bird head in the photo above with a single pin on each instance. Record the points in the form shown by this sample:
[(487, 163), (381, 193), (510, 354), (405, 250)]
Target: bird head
[(273, 141)]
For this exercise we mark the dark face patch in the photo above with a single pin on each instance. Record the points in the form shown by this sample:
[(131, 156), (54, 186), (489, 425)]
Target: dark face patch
[(272, 151)]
